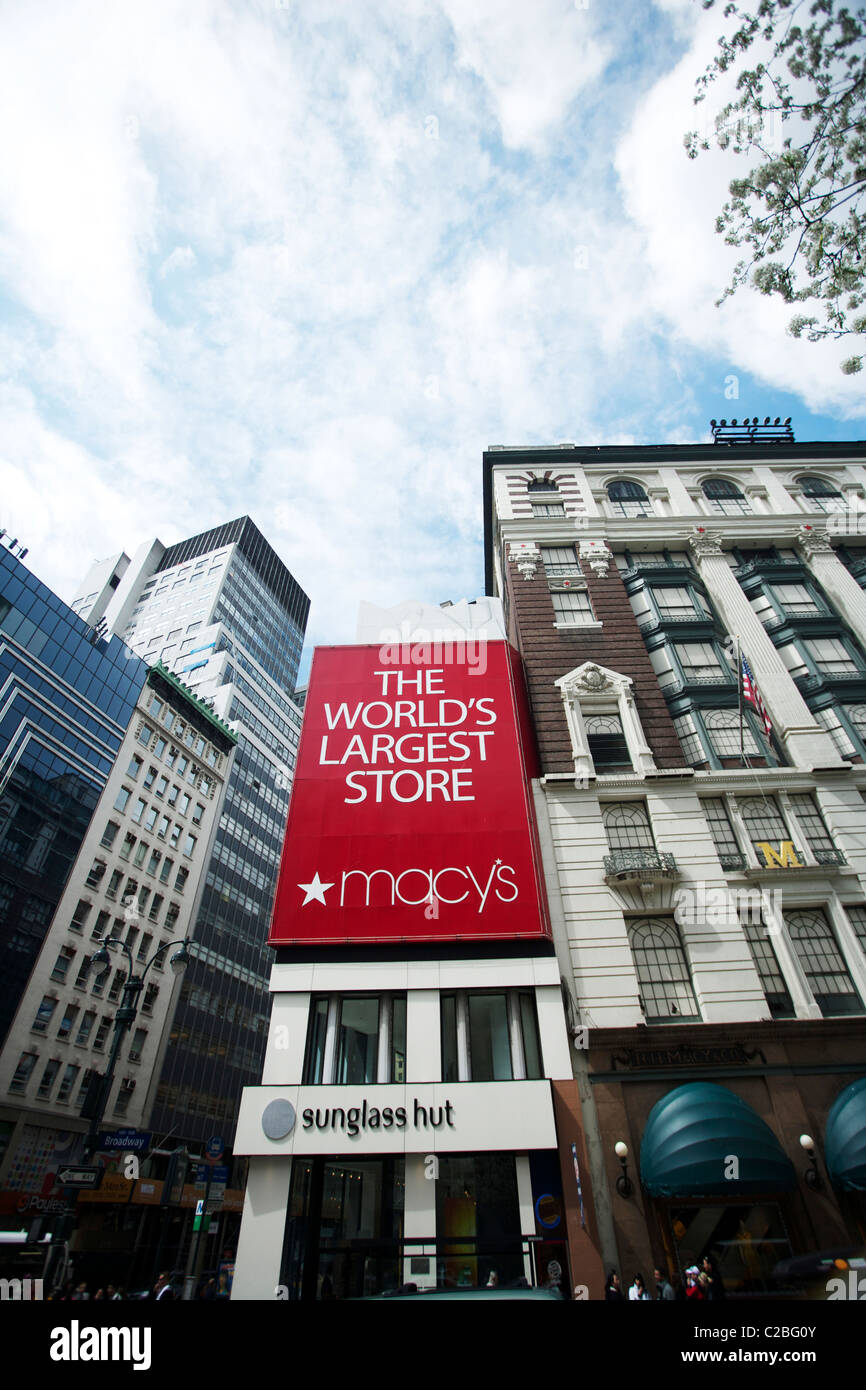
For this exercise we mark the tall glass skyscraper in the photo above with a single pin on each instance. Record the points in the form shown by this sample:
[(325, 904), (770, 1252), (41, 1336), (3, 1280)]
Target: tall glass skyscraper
[(223, 612), (66, 697)]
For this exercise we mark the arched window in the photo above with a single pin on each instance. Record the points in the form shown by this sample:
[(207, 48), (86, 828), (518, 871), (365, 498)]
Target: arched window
[(723, 727), (663, 975), (607, 743), (725, 497), (628, 499), (822, 494), (627, 826), (822, 962)]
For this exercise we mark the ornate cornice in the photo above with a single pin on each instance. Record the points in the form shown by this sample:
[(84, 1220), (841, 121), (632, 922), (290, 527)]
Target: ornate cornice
[(705, 544), (811, 542), (526, 556), (597, 555)]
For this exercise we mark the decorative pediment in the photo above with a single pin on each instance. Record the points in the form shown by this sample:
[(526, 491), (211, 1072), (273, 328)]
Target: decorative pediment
[(591, 679), (589, 690)]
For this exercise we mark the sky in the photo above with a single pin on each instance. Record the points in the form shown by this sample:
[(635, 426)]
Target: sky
[(306, 260)]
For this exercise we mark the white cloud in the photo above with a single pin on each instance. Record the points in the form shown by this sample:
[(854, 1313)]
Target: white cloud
[(673, 202), (534, 60), (180, 258), (307, 263)]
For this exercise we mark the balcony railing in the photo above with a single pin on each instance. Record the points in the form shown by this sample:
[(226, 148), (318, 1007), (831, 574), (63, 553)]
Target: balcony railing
[(829, 856), (771, 566), (701, 620), (638, 565), (639, 866), (732, 861), (810, 682)]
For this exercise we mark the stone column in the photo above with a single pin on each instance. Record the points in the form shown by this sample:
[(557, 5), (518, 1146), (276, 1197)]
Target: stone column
[(837, 582), (805, 742), (260, 1245)]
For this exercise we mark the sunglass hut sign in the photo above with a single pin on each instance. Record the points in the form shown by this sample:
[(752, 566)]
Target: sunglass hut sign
[(411, 814)]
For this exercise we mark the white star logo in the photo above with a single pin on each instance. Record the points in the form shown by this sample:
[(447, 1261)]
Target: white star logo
[(316, 889)]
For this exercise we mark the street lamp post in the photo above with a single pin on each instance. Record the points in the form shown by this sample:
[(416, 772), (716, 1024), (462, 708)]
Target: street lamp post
[(123, 1020), (125, 1016)]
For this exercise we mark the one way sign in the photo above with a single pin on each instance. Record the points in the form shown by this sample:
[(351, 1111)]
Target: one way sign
[(80, 1177)]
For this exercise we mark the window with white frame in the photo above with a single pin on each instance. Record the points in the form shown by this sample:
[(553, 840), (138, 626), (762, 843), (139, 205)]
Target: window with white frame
[(722, 831), (572, 608), (679, 601), (490, 1035), (823, 963), (607, 742), (23, 1071), (559, 561), (628, 499), (770, 974), (548, 509), (590, 691), (821, 494), (723, 727), (818, 837), (725, 498), (831, 656), (764, 823), (627, 826), (124, 1096), (690, 740), (67, 1083), (61, 965), (355, 1039), (664, 980), (856, 914), (67, 1022), (795, 598), (49, 1076), (44, 1014), (700, 661)]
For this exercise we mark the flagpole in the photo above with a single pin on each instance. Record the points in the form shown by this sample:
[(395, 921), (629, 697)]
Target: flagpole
[(740, 699)]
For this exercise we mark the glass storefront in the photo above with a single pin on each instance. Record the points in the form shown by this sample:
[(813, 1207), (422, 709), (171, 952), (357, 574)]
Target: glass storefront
[(345, 1227), (747, 1240)]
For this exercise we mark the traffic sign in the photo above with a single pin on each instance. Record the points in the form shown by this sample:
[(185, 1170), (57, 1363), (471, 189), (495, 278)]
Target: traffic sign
[(219, 1173), (214, 1148), (80, 1177), (125, 1140)]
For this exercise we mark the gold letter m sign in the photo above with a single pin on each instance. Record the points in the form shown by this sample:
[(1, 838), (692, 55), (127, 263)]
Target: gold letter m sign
[(785, 858)]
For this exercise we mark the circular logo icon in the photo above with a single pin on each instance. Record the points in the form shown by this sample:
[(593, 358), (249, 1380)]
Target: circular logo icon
[(278, 1119)]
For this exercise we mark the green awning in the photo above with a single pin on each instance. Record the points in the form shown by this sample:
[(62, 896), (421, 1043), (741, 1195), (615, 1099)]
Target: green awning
[(845, 1139), (692, 1135)]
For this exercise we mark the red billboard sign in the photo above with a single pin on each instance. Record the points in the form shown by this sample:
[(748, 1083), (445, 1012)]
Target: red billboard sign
[(411, 816)]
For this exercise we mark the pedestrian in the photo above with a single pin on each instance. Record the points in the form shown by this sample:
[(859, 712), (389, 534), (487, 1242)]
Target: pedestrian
[(81, 1294), (162, 1289), (638, 1292), (664, 1287), (694, 1292), (208, 1293), (493, 1281), (223, 1290), (613, 1289), (714, 1278), (112, 1294)]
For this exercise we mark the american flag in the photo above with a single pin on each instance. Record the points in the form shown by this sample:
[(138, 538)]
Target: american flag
[(752, 696)]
